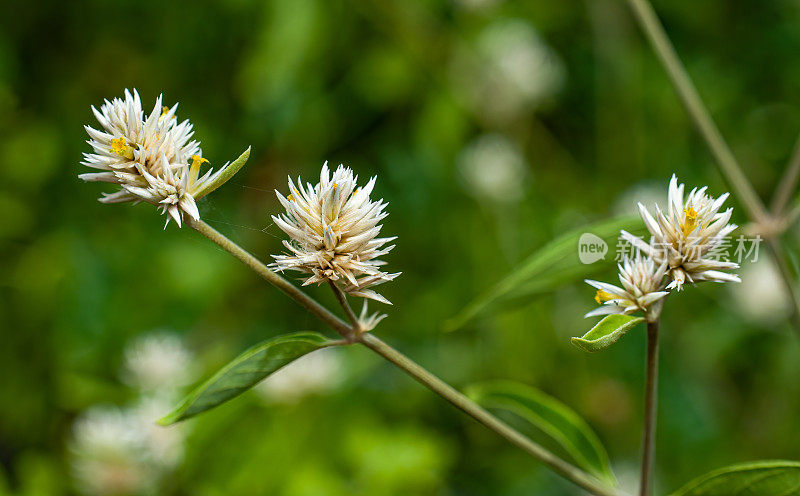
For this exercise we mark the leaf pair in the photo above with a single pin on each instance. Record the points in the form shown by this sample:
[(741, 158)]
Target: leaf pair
[(247, 370)]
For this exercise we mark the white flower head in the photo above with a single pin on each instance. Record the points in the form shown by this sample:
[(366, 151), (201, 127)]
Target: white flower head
[(642, 289), (148, 156), (334, 228), (158, 363), (683, 236)]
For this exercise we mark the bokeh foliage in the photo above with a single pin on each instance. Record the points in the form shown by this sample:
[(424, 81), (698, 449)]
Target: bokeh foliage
[(389, 88)]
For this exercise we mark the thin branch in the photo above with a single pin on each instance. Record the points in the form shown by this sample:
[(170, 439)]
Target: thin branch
[(574, 474), (788, 183), (271, 277), (792, 215), (728, 165), (342, 299), (650, 407), (475, 411), (779, 257)]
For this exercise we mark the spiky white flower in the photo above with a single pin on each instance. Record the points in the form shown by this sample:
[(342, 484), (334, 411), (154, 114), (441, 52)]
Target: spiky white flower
[(334, 229), (642, 289), (148, 156), (684, 235)]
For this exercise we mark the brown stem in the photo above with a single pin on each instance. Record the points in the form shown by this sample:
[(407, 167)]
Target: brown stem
[(650, 402)]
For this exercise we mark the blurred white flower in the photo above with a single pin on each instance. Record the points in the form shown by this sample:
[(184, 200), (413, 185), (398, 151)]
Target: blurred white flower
[(683, 236), (122, 451), (107, 454), (642, 289), (315, 372), (511, 71), (334, 227), (148, 156), (760, 296), (157, 362), (494, 169), (165, 445)]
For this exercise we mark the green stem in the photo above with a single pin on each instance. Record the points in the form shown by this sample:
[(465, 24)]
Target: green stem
[(579, 477), (788, 183), (650, 407), (728, 165)]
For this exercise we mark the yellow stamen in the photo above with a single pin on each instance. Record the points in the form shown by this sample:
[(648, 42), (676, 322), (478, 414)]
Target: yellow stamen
[(603, 296), (197, 160), (290, 198), (334, 185), (164, 111), (194, 170), (120, 147), (690, 220)]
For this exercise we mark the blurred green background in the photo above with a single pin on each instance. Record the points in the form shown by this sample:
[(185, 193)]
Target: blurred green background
[(493, 126)]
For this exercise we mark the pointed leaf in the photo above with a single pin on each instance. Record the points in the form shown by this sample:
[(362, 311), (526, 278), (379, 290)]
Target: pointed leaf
[(606, 332), (552, 265), (762, 478), (226, 174), (247, 370), (552, 417)]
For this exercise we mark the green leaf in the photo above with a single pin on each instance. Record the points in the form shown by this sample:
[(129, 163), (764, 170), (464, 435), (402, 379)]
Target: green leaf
[(553, 265), (247, 370), (762, 478), (552, 417), (606, 332), (228, 173)]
